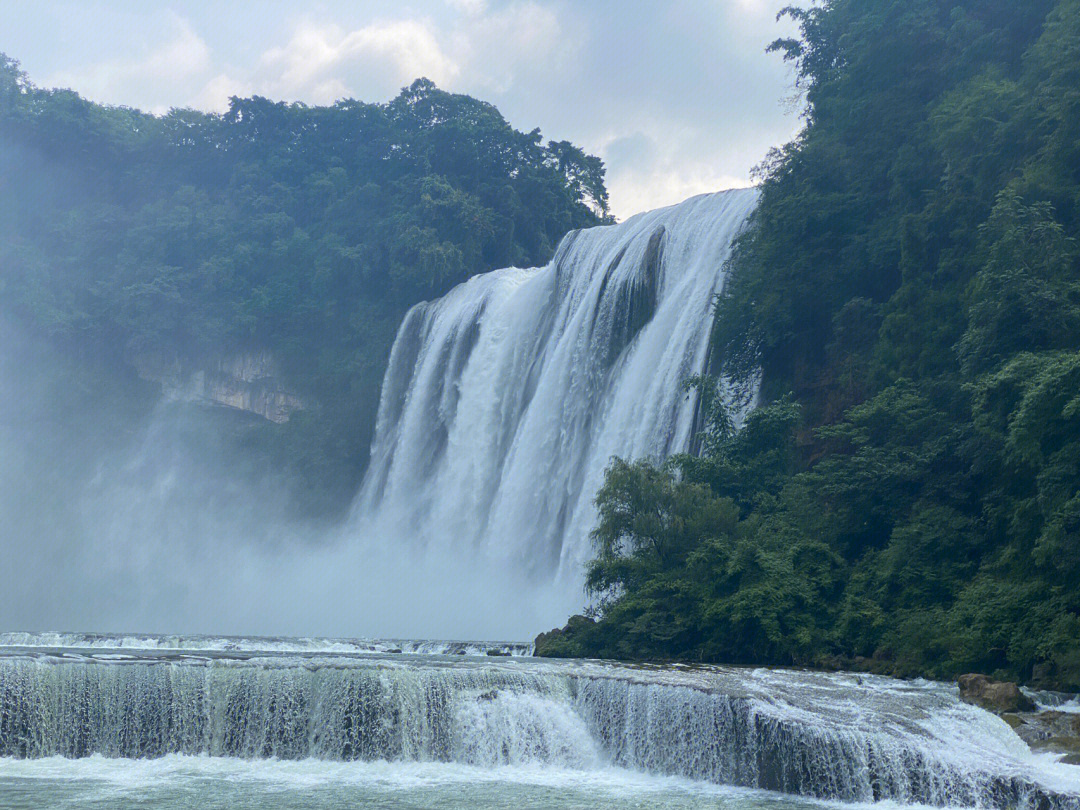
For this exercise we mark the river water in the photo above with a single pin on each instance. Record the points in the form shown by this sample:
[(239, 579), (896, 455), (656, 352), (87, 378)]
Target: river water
[(164, 722), (177, 781)]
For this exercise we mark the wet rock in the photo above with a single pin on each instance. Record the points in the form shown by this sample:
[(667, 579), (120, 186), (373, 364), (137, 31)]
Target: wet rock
[(1030, 730), (1070, 746), (997, 696), (1056, 732)]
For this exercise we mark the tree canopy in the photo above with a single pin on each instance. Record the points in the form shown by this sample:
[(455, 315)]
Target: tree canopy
[(910, 277), (305, 231)]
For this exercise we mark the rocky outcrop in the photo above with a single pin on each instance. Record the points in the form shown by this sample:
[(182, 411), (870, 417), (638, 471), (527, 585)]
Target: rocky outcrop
[(997, 696), (1054, 731), (1048, 730), (248, 381)]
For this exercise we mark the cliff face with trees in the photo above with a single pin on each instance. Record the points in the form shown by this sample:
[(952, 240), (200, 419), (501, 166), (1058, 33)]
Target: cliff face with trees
[(187, 242), (908, 497)]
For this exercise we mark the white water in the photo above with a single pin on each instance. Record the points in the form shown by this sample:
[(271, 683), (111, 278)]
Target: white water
[(252, 644), (505, 400), (576, 729), (180, 782)]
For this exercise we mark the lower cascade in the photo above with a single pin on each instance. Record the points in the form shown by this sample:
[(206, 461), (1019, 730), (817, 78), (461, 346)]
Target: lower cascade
[(838, 737), (505, 400)]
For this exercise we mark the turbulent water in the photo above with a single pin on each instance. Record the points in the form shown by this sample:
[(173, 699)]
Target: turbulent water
[(505, 400), (275, 644), (503, 724)]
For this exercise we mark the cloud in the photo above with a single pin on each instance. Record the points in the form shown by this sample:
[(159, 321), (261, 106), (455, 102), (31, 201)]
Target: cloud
[(470, 7), (479, 51), (645, 172), (756, 7), (522, 41), (666, 161), (214, 95), (166, 68), (322, 63), (676, 97), (637, 190)]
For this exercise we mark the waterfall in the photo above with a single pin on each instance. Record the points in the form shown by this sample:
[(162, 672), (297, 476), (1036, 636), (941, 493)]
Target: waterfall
[(845, 737), (505, 400)]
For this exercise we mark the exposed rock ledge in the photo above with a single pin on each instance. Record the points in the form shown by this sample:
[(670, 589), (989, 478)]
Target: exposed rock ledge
[(1046, 730), (247, 381)]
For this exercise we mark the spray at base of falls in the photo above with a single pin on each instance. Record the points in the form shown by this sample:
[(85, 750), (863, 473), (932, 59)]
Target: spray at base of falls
[(851, 738), (503, 404), (505, 400)]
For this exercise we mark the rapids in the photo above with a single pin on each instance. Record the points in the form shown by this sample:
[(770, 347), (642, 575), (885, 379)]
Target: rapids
[(827, 736)]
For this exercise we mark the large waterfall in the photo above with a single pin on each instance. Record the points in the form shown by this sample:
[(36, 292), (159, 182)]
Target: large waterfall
[(505, 400), (501, 407), (839, 737)]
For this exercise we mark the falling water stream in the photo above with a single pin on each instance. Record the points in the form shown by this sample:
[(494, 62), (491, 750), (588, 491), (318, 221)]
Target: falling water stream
[(505, 400)]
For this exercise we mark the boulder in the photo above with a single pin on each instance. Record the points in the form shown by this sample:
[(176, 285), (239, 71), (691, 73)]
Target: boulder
[(1000, 697), (1015, 721)]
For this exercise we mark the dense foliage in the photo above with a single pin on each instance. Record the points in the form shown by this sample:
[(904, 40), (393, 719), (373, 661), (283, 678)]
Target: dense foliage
[(304, 231), (912, 276)]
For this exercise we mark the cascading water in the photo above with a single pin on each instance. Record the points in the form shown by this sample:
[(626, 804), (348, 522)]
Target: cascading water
[(836, 737), (505, 400)]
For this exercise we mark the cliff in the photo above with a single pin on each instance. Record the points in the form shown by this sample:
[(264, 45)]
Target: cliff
[(247, 381)]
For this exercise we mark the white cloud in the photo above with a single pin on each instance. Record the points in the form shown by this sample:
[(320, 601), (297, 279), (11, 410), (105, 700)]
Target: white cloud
[(322, 63), (663, 162), (757, 7), (500, 48), (214, 95), (482, 51), (634, 190), (471, 7), (164, 70)]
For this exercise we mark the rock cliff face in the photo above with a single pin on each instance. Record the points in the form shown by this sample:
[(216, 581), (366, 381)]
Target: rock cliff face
[(247, 381)]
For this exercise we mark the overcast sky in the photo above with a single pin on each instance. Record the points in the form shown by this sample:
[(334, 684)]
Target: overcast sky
[(677, 96)]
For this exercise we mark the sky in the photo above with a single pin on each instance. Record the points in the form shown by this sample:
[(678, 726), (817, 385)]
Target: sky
[(677, 96)]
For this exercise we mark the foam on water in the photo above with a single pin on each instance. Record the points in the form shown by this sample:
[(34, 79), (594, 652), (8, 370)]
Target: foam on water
[(232, 783), (1054, 701), (116, 641), (829, 736)]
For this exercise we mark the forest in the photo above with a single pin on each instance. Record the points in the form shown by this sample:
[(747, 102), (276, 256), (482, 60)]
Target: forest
[(906, 499), (302, 231)]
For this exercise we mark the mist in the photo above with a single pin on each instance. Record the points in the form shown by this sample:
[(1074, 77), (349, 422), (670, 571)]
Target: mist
[(127, 505), (167, 526)]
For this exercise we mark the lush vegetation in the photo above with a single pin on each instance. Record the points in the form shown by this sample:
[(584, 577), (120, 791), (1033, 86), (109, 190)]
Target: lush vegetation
[(304, 231), (908, 498)]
